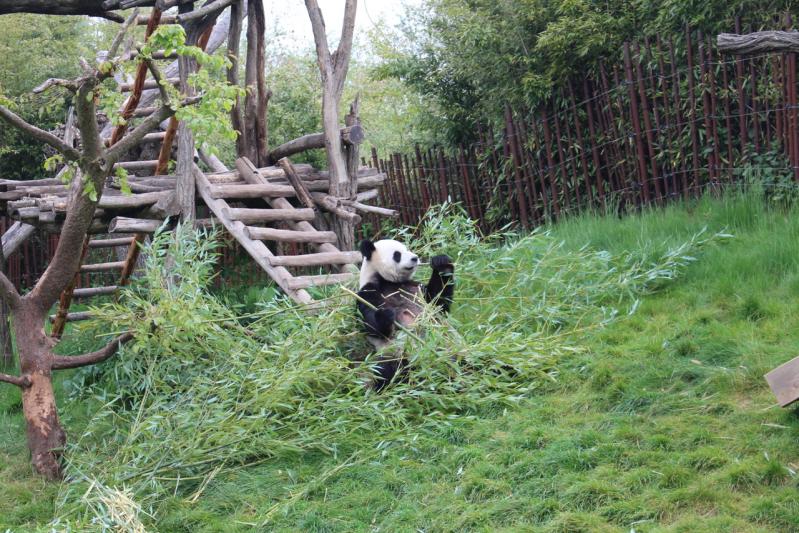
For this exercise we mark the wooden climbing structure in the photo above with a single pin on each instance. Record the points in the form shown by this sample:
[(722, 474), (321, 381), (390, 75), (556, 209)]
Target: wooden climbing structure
[(273, 212)]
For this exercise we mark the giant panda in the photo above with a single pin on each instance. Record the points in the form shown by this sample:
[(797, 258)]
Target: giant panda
[(388, 296)]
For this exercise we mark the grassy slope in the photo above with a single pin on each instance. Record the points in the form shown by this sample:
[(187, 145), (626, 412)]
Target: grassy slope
[(664, 424)]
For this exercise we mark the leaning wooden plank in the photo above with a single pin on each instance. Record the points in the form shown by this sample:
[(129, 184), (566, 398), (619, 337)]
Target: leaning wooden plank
[(102, 267), (110, 243), (303, 282), (88, 292), (288, 235), (318, 259), (303, 194), (252, 216), (14, 236), (75, 317), (256, 249), (784, 382)]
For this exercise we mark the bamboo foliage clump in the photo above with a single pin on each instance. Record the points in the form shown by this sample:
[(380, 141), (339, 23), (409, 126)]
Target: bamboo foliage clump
[(202, 389)]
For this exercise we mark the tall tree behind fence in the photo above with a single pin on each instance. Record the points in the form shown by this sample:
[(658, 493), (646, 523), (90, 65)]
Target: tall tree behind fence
[(671, 120)]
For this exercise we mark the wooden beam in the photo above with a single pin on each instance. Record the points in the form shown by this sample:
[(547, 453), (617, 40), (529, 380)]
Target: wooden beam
[(90, 292), (349, 135), (304, 282), (102, 267), (288, 235), (133, 225), (318, 259), (254, 216)]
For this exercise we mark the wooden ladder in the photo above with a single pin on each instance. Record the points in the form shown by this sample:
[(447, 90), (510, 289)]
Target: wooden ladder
[(250, 237)]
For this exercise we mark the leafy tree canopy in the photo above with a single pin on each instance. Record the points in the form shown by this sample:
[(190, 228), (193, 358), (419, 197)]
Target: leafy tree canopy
[(468, 58)]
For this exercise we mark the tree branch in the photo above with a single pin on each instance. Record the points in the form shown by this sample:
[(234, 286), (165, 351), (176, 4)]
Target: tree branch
[(61, 362), (758, 42), (19, 381), (86, 114), (341, 57), (319, 34), (71, 85), (159, 80), (112, 51), (8, 292), (209, 10), (134, 137), (40, 135)]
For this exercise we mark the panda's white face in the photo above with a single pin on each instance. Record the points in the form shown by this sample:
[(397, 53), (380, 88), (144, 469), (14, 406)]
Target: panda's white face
[(388, 258)]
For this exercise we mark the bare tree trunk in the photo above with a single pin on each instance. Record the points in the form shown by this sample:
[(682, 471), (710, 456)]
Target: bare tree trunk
[(255, 103), (46, 437), (333, 70)]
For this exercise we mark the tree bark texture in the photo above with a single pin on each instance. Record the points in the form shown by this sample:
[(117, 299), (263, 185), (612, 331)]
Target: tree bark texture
[(759, 42)]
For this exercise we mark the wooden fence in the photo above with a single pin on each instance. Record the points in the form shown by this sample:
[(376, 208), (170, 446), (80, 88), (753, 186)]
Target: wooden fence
[(671, 120)]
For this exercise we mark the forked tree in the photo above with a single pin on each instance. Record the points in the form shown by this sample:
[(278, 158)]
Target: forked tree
[(94, 162)]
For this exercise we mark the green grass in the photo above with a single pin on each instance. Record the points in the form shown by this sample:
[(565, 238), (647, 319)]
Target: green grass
[(662, 422)]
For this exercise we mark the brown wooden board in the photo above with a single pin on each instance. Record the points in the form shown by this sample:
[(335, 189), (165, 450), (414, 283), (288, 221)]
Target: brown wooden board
[(784, 382)]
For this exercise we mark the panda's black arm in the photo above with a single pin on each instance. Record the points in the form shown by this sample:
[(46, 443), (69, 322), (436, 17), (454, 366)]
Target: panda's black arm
[(378, 322), (441, 287)]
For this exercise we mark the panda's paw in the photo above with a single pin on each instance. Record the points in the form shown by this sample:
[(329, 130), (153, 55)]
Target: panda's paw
[(442, 263), (385, 320)]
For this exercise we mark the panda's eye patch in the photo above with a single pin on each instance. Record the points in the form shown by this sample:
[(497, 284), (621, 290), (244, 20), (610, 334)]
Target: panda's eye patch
[(397, 257)]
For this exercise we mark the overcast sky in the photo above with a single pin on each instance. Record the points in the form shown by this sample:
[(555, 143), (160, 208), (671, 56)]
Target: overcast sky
[(292, 18)]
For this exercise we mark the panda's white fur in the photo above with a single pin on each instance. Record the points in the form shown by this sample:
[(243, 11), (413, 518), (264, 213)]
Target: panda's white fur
[(391, 260)]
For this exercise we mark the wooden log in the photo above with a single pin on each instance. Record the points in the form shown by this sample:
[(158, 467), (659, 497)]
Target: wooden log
[(110, 243), (156, 136), (90, 292), (149, 84), (14, 236), (317, 259), (133, 225), (758, 42), (102, 267), (252, 216), (138, 165), (331, 204), (144, 111), (120, 202), (302, 191), (349, 135), (371, 208), (287, 235), (304, 282), (142, 20), (251, 191), (75, 317)]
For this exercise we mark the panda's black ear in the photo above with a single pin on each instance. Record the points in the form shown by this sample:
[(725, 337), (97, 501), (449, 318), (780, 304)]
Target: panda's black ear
[(367, 247)]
